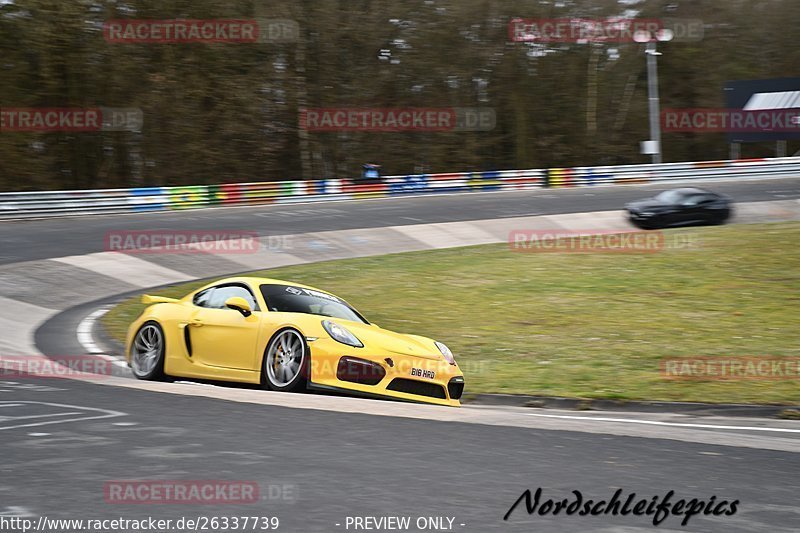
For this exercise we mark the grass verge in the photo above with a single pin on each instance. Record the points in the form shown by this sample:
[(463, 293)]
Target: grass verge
[(587, 325)]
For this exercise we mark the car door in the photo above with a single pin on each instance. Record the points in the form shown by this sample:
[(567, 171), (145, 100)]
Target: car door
[(711, 208), (223, 337), (690, 210)]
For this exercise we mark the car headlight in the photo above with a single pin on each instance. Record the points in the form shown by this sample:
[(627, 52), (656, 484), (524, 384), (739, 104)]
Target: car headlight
[(341, 334), (646, 214), (448, 355)]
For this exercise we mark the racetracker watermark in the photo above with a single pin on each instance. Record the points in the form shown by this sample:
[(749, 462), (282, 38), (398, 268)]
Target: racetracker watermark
[(607, 30), (198, 492), (57, 366), (193, 241), (205, 31), (731, 368), (582, 241), (398, 119), (420, 367), (71, 119), (731, 120)]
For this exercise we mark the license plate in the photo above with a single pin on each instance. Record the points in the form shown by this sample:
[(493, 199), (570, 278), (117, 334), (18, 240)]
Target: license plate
[(421, 373)]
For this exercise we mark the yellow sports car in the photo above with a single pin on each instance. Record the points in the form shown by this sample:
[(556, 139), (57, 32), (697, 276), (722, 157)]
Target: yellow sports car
[(286, 336)]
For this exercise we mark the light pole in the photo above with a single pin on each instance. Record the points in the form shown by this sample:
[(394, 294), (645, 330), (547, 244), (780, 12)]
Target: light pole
[(653, 147)]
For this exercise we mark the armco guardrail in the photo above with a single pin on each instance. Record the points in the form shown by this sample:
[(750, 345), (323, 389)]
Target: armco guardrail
[(15, 205)]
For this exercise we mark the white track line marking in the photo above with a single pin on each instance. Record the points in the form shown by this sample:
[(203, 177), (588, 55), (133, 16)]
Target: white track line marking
[(119, 361), (107, 413), (8, 418), (17, 512), (85, 331), (86, 339), (657, 423)]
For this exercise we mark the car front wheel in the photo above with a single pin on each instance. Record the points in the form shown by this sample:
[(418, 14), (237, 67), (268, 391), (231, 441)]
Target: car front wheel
[(286, 361), (641, 224)]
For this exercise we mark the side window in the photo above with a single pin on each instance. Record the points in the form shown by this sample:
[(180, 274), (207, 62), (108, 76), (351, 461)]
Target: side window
[(221, 294), (202, 298), (693, 200), (707, 199)]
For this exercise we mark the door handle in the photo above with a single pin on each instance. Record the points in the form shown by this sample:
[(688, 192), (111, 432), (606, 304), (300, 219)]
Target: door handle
[(196, 322)]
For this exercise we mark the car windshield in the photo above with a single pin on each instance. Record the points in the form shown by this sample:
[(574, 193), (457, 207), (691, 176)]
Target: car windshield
[(674, 196), (293, 299)]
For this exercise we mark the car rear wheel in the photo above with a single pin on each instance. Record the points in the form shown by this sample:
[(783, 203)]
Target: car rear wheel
[(286, 361), (147, 352)]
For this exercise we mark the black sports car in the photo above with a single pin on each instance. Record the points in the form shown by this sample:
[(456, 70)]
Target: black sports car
[(680, 207)]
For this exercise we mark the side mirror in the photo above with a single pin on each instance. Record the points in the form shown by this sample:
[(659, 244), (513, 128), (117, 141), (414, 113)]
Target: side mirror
[(240, 304)]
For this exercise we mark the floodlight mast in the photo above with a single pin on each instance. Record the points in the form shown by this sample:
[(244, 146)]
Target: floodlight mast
[(651, 39)]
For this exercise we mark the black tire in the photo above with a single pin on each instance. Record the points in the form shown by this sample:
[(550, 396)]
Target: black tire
[(720, 219), (287, 351), (641, 225), (147, 352)]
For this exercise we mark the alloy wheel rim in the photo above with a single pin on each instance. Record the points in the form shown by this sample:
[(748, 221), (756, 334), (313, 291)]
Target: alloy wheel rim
[(285, 358), (146, 350)]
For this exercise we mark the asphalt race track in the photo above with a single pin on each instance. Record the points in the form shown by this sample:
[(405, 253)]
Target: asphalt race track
[(320, 459), (30, 240), (324, 466)]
